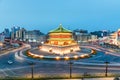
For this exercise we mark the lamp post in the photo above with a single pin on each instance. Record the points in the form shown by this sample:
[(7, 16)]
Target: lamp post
[(106, 65), (106, 68), (70, 67), (70, 64), (32, 67), (0, 50)]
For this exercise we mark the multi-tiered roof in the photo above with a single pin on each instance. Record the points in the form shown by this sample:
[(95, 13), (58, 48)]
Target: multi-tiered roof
[(60, 29)]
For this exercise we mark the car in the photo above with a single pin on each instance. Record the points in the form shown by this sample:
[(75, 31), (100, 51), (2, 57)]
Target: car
[(10, 62)]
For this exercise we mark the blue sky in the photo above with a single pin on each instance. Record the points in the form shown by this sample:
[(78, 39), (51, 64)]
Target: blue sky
[(48, 14)]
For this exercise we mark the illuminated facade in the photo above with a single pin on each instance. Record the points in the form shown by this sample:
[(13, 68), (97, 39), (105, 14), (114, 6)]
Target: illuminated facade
[(60, 41), (114, 38)]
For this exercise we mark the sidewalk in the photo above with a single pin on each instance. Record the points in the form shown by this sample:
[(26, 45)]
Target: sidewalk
[(99, 79), (112, 78)]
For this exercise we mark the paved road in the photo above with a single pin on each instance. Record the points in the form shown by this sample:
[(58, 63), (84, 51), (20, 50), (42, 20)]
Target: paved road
[(20, 66)]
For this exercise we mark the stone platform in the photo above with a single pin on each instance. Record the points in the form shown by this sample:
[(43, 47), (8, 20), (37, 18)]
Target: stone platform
[(40, 54), (60, 49)]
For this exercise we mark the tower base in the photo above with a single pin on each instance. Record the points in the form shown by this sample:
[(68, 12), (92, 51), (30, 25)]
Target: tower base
[(60, 49)]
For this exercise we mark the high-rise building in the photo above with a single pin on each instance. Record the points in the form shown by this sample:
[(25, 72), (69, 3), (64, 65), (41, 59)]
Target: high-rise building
[(13, 32), (6, 33), (14, 29), (20, 34), (2, 37)]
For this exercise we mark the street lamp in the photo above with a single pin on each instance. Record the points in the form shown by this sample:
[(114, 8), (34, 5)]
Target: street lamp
[(0, 50), (106, 68), (106, 65), (32, 67), (70, 64), (70, 67)]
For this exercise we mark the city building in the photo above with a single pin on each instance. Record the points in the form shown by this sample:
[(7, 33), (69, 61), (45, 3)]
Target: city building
[(114, 38), (2, 37), (101, 34), (83, 36), (6, 32), (34, 36), (13, 32), (20, 34), (93, 38), (60, 41)]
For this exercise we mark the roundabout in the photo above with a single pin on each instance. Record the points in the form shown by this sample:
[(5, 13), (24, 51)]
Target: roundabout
[(39, 54), (48, 67), (60, 45)]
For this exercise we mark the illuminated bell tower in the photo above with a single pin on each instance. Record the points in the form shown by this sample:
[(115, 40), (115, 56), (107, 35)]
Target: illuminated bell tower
[(60, 41), (61, 37)]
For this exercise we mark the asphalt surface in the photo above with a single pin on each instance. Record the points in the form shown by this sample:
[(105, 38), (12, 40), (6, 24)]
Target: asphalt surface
[(20, 66)]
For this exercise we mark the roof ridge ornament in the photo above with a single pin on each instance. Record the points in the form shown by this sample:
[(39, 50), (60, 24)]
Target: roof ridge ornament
[(60, 29)]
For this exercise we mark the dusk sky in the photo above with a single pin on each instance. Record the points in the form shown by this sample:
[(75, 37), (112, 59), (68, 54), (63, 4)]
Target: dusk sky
[(45, 15)]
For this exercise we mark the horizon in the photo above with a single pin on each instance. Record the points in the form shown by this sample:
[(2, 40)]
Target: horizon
[(46, 15), (56, 28)]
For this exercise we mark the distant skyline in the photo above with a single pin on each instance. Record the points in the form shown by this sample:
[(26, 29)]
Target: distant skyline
[(45, 15)]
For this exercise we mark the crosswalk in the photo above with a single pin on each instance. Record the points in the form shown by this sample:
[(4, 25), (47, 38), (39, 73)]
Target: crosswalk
[(8, 72)]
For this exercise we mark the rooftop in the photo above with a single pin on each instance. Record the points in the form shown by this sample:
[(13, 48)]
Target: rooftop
[(60, 29)]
